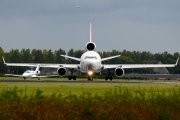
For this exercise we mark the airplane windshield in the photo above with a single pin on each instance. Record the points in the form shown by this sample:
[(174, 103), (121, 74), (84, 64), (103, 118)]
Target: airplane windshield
[(90, 57), (27, 71)]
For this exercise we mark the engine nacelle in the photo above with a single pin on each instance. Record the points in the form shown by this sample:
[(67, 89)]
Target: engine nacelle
[(90, 46), (38, 72), (61, 71), (119, 72)]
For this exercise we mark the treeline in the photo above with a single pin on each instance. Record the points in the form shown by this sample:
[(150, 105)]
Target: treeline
[(49, 56)]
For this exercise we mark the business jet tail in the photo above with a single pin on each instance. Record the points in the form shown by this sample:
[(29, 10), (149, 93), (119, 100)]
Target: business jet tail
[(37, 68)]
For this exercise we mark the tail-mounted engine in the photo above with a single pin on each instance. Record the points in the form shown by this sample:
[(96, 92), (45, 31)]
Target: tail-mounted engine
[(61, 71), (119, 72), (90, 46), (38, 72)]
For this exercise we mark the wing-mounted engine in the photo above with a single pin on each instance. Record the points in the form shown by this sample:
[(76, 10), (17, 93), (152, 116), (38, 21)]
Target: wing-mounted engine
[(61, 71), (90, 46), (119, 72)]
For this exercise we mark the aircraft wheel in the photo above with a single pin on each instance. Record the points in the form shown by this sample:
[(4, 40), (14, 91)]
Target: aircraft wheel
[(90, 79), (74, 77), (69, 77), (24, 78), (106, 78), (110, 77)]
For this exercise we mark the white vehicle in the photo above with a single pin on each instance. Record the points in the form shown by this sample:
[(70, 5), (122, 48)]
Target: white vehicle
[(29, 74), (90, 63)]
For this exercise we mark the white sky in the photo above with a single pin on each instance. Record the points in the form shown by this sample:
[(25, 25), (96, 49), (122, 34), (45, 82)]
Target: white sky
[(140, 25)]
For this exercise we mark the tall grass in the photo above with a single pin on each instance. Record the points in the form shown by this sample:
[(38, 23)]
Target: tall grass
[(118, 103)]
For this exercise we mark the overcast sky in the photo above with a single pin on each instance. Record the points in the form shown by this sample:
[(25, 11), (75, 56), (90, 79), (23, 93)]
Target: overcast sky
[(140, 25)]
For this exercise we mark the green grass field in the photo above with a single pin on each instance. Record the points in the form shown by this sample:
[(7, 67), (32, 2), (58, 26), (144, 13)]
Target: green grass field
[(45, 100), (79, 88)]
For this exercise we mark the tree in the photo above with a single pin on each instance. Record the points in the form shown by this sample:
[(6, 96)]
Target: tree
[(37, 56), (58, 58), (14, 57), (50, 57), (2, 67), (45, 55), (25, 56)]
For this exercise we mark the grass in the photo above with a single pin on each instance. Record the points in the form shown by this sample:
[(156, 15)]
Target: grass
[(78, 88), (91, 101), (121, 102)]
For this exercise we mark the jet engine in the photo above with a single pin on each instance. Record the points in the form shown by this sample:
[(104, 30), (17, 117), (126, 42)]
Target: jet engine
[(90, 46), (119, 72), (61, 71), (38, 72)]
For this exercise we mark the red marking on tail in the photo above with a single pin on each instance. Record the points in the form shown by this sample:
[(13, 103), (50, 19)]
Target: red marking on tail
[(90, 37)]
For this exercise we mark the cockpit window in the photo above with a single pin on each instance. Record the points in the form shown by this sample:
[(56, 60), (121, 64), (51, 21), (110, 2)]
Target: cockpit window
[(27, 71), (90, 57)]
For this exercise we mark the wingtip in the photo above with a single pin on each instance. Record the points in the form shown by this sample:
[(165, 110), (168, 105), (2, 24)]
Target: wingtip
[(3, 60), (177, 61)]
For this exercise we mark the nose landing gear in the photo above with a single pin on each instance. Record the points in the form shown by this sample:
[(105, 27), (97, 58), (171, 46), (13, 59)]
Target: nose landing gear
[(90, 78)]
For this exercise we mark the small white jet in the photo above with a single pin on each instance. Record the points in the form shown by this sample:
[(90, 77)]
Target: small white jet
[(29, 74), (90, 63)]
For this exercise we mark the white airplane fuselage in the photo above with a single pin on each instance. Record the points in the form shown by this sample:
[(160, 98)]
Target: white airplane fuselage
[(30, 73), (90, 61)]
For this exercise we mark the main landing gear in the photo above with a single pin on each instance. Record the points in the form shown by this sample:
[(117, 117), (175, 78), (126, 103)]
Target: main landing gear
[(109, 76), (72, 76)]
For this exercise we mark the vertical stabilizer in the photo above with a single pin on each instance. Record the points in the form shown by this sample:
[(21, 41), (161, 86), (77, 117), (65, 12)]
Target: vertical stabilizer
[(37, 68), (90, 45), (90, 37)]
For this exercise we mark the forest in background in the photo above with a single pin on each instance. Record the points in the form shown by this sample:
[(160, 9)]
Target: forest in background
[(49, 56)]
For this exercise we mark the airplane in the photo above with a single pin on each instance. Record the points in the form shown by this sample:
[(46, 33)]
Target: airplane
[(77, 6), (29, 74), (91, 63)]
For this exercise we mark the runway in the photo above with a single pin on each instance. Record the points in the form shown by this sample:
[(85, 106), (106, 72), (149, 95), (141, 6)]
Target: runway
[(99, 81)]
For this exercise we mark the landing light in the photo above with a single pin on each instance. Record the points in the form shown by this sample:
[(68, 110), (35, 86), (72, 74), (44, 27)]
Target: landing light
[(90, 72)]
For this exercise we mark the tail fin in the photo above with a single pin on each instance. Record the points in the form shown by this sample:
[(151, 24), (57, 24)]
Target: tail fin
[(37, 68), (3, 60), (90, 37)]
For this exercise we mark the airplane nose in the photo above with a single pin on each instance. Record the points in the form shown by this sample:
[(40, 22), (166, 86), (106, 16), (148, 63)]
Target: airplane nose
[(92, 66), (24, 75)]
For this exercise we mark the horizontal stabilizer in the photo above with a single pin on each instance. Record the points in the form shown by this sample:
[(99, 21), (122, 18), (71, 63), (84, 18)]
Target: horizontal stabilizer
[(77, 59), (103, 59)]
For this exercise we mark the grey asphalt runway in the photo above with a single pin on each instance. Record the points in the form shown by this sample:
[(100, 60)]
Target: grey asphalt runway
[(100, 81)]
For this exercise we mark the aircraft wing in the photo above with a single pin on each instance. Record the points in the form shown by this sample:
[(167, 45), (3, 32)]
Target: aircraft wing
[(45, 65), (13, 75), (111, 66), (37, 76)]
